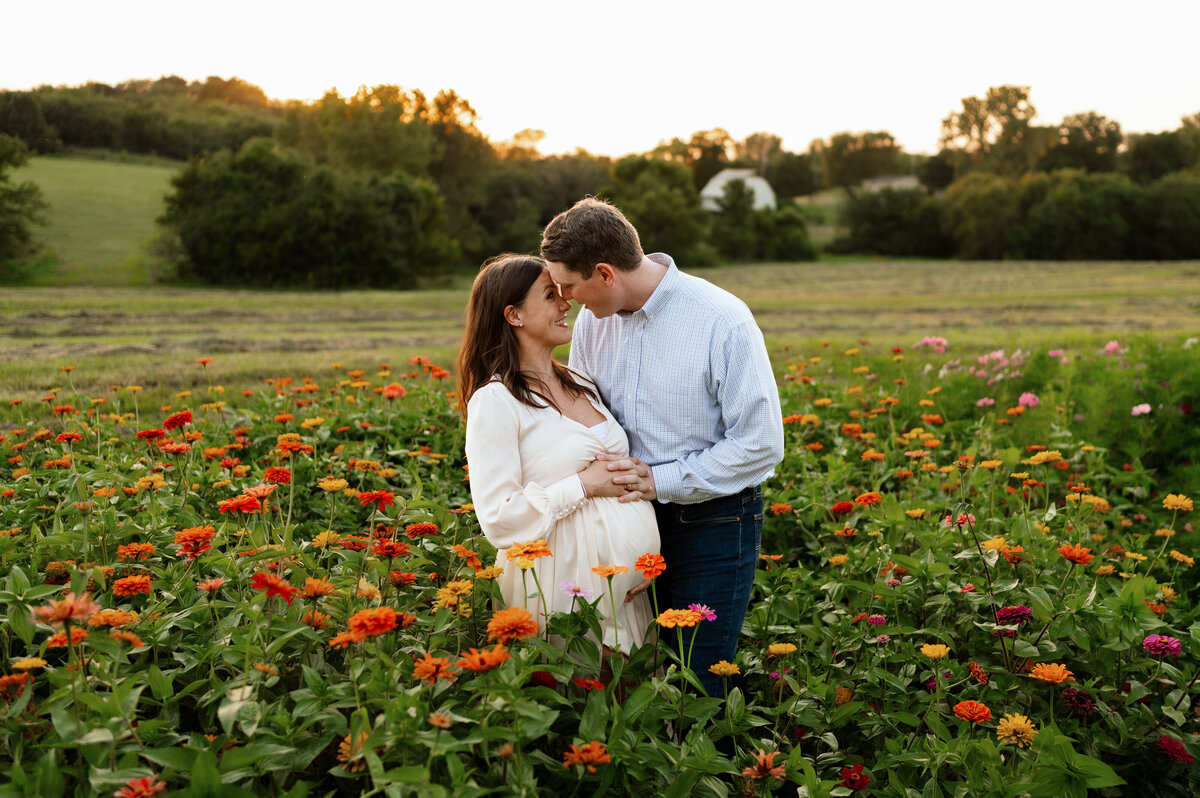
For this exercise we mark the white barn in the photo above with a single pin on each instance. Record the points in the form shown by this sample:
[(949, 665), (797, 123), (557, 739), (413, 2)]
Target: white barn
[(764, 195)]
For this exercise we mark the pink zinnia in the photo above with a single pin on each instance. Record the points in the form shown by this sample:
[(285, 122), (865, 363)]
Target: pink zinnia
[(1028, 400), (876, 620), (986, 401), (705, 611), (1162, 644), (1112, 347), (1141, 410)]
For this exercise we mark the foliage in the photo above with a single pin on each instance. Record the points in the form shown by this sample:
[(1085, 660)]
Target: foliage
[(659, 198), (847, 159), (994, 131), (266, 217), (1154, 155), (895, 522), (893, 222), (1078, 216), (21, 206), (167, 117), (1086, 141)]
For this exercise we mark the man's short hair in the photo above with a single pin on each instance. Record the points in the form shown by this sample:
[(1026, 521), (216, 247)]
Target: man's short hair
[(589, 232)]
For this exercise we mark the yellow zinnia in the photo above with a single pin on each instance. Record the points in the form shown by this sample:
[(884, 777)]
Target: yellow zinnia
[(935, 650)]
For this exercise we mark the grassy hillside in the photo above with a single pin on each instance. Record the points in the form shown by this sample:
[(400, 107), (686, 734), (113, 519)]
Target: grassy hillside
[(100, 214)]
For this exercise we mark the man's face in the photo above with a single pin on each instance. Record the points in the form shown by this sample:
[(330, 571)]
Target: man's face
[(593, 292)]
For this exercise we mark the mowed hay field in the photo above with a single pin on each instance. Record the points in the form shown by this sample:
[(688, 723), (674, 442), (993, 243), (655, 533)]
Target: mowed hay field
[(152, 336), (101, 213)]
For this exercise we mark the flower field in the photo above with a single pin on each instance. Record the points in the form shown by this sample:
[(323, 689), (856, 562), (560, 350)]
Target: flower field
[(977, 578)]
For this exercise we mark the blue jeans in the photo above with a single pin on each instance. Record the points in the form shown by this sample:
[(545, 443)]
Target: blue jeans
[(711, 551)]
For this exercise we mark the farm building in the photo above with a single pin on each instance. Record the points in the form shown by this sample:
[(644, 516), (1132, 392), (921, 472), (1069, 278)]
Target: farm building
[(764, 195)]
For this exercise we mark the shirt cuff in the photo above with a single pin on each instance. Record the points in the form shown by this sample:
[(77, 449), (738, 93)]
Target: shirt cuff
[(668, 481), (565, 497)]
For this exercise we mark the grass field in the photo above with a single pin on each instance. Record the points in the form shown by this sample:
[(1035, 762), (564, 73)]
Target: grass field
[(100, 214), (152, 336)]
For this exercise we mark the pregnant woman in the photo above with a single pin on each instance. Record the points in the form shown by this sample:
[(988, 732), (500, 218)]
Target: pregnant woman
[(534, 430)]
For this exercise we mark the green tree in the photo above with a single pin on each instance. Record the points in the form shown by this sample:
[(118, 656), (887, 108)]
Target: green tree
[(1154, 155), (704, 154), (894, 222), (979, 213), (995, 131), (21, 206), (1086, 141), (732, 231), (661, 201), (21, 116), (791, 174), (267, 216), (847, 159), (757, 150), (938, 171), (1079, 216), (1171, 228)]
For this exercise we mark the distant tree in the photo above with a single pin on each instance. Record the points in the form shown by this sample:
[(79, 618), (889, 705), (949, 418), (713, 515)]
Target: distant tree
[(705, 154), (661, 201), (791, 174), (849, 158), (1154, 155), (21, 116), (757, 150), (994, 131), (979, 213), (21, 204), (1079, 216), (461, 165), (1086, 141), (894, 222), (1172, 218), (267, 216), (732, 232), (783, 235), (234, 90), (938, 171)]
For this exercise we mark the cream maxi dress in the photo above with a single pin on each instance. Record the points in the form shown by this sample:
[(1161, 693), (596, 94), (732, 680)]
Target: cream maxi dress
[(524, 463)]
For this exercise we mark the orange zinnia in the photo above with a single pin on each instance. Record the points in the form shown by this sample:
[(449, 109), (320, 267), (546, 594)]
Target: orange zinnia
[(670, 618), (315, 588), (588, 755), (530, 550), (1052, 673), (430, 668), (867, 499), (372, 622), (972, 711), (1080, 555), (651, 565), (473, 660), (606, 571), (131, 585), (511, 623), (69, 608), (240, 504), (59, 638)]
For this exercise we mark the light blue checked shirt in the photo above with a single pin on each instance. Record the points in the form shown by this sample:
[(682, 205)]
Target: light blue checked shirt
[(689, 380)]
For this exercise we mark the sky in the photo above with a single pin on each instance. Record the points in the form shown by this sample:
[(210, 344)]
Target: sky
[(618, 77)]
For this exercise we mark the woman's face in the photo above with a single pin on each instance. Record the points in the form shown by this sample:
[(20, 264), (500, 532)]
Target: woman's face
[(543, 314)]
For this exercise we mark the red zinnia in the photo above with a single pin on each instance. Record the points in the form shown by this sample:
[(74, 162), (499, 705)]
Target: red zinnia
[(389, 548), (240, 504), (178, 419), (280, 476), (841, 508), (150, 434), (382, 499), (274, 586), (420, 530), (854, 778)]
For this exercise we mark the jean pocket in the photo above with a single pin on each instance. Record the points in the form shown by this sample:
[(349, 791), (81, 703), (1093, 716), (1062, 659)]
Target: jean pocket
[(719, 515)]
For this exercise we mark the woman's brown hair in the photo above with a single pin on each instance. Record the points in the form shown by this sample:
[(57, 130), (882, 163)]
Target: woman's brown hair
[(489, 348)]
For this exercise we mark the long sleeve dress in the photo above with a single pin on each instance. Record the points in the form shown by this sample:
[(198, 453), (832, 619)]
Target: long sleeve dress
[(524, 465)]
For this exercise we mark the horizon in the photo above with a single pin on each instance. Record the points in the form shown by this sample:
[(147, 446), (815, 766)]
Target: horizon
[(809, 74)]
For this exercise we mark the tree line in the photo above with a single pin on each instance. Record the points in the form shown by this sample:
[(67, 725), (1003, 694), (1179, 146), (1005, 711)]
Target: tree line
[(388, 185)]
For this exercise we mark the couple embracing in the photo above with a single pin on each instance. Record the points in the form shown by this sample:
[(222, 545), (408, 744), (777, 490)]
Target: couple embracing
[(658, 433)]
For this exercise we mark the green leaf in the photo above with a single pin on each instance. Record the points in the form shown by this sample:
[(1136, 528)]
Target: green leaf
[(206, 779), (179, 759)]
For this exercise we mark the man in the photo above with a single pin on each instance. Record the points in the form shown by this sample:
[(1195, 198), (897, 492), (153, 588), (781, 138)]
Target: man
[(683, 368)]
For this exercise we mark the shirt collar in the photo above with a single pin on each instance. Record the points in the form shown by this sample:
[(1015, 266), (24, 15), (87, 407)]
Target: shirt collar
[(662, 291)]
